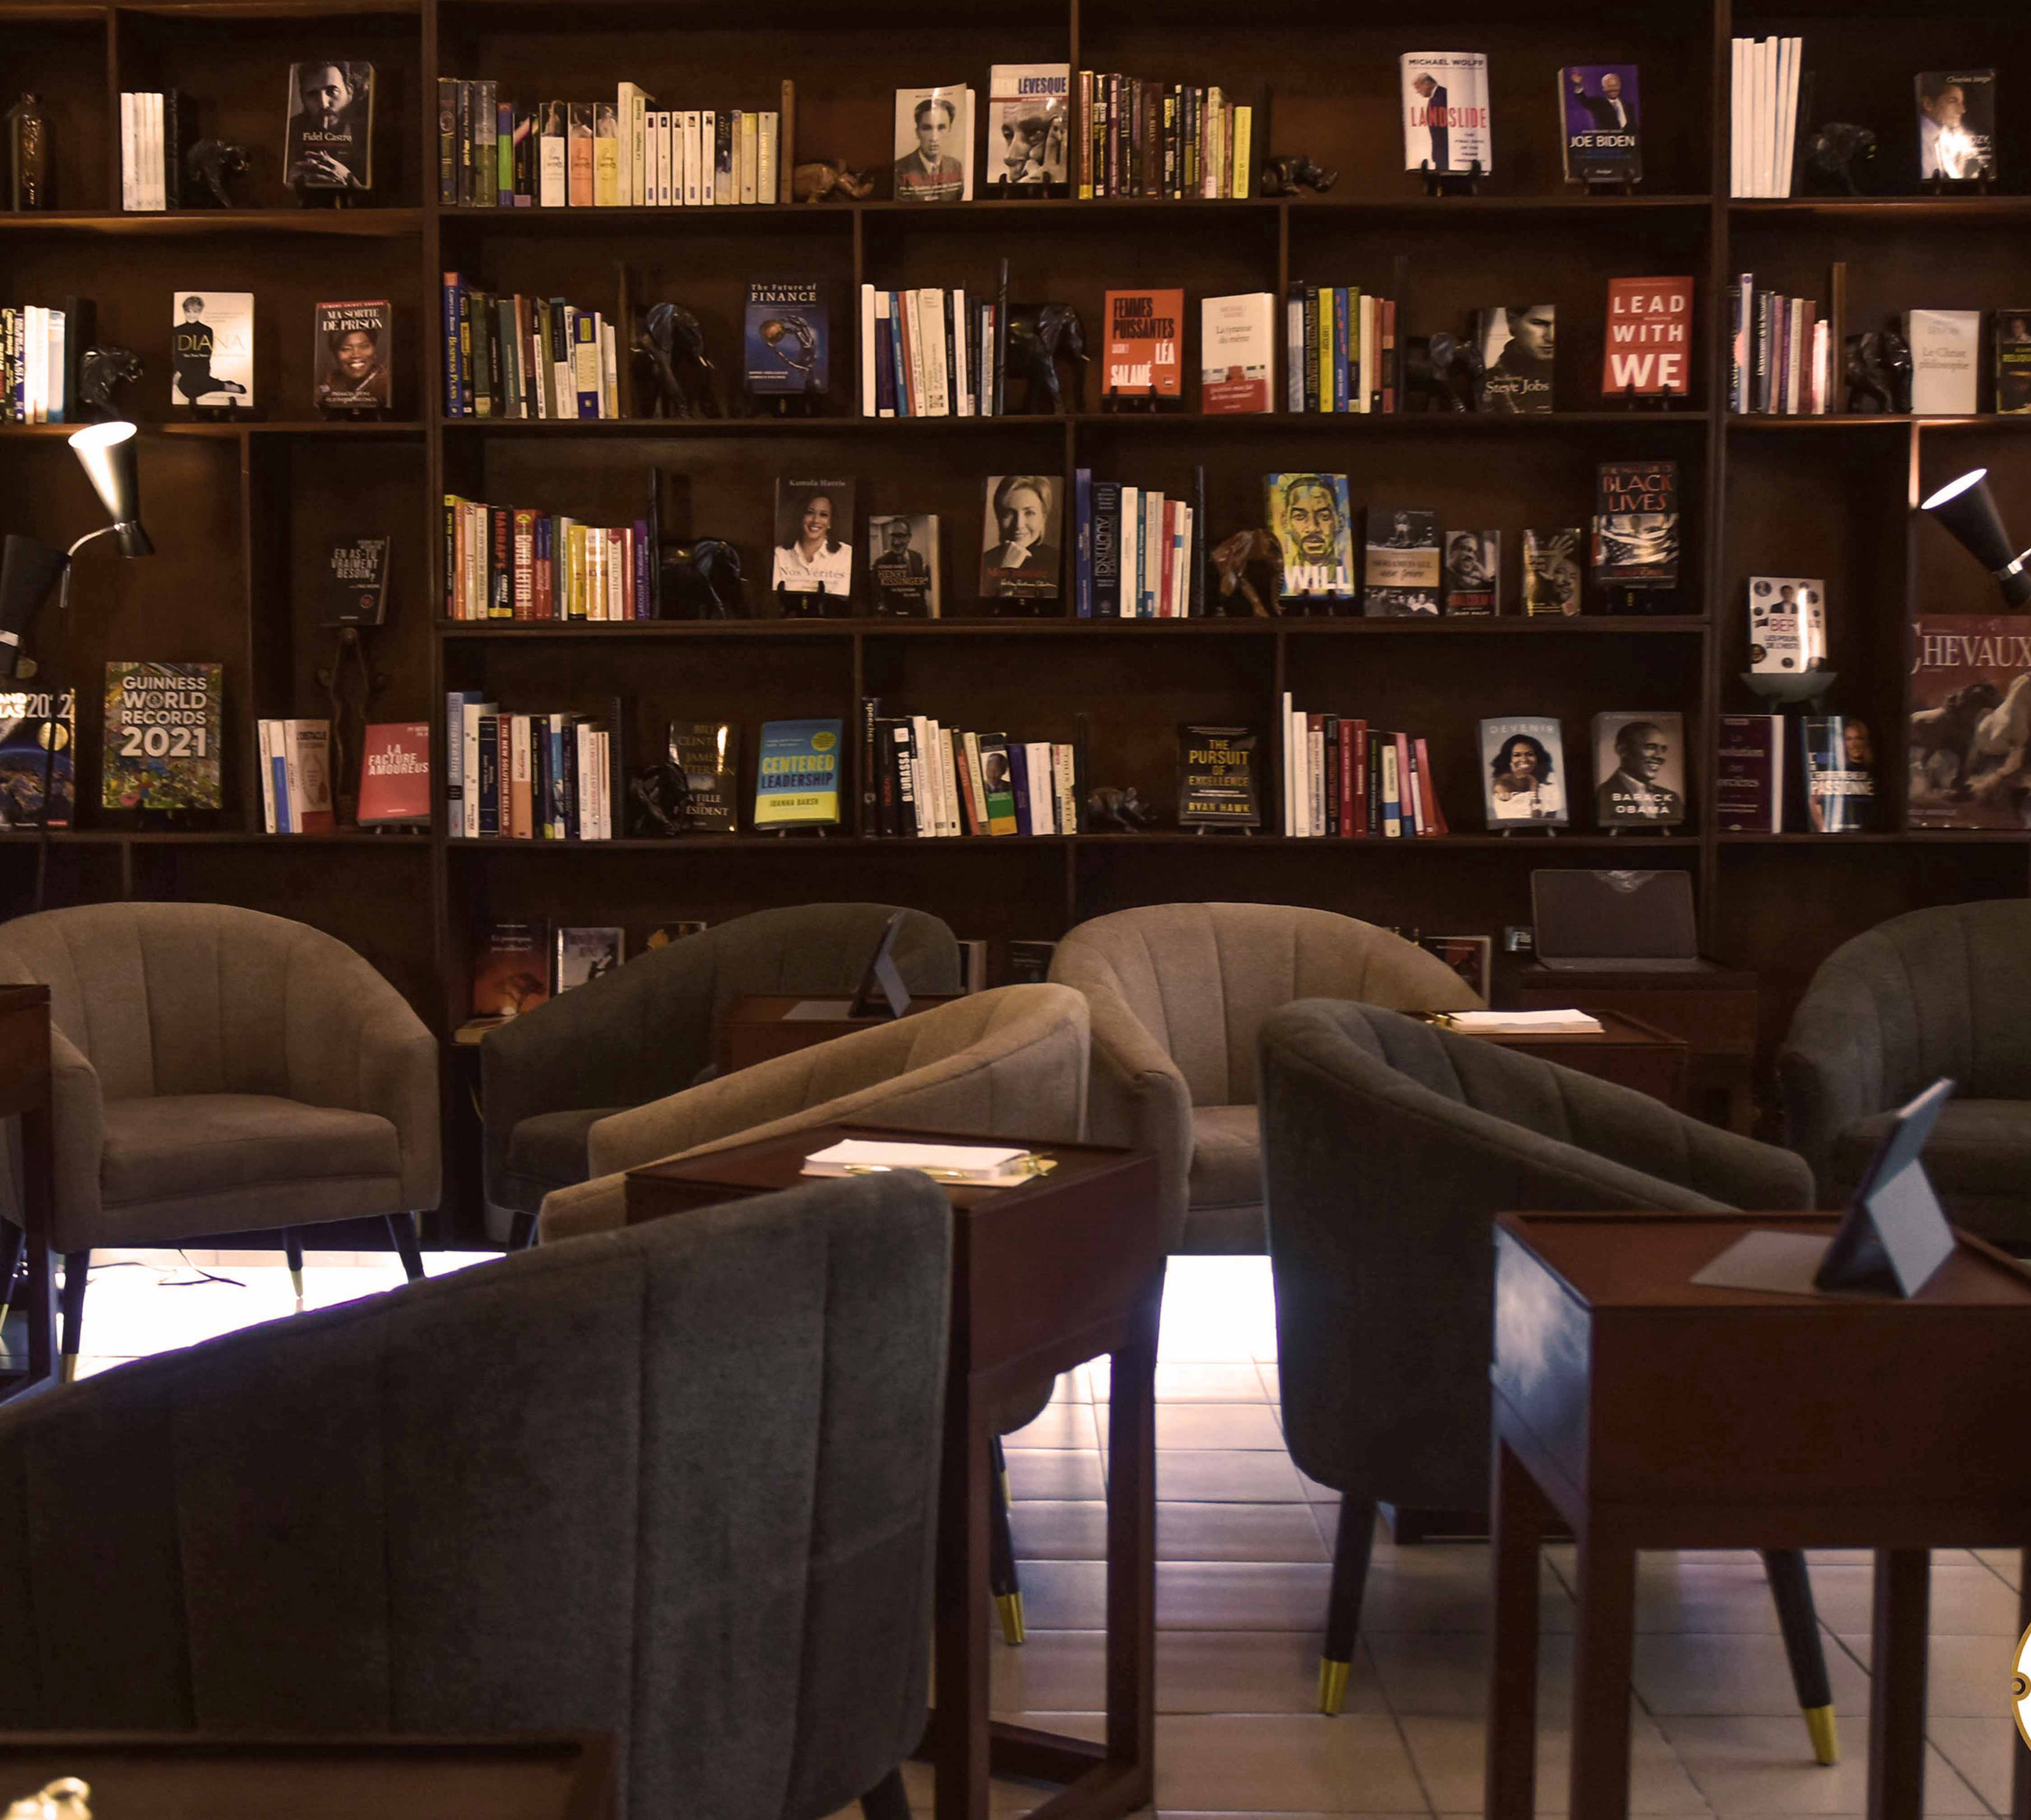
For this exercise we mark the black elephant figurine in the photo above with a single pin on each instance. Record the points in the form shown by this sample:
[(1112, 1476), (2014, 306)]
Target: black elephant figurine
[(661, 796), (671, 345), (1445, 371), (1879, 373), (1832, 155), (98, 371), (1284, 176), (1039, 336), (207, 165), (1109, 809), (702, 580)]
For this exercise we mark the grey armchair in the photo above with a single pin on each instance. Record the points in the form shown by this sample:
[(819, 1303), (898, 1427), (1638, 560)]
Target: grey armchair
[(677, 1483), (218, 1070), (1945, 991), (1178, 992), (1389, 1146), (647, 1030)]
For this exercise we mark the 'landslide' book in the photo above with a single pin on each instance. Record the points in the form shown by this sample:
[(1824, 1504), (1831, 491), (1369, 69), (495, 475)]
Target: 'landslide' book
[(786, 338), (2012, 361), (1649, 337), (211, 349), (395, 775), (162, 723), (1473, 573), (1636, 524), (1517, 348), (38, 758), (1639, 770), (354, 352), (328, 138), (1236, 352), (797, 782), (1400, 579), (1598, 103), (355, 587), (1028, 134), (1446, 128), (1310, 519), (1967, 754), (1145, 332)]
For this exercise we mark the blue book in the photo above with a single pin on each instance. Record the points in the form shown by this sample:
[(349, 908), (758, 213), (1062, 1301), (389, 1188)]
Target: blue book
[(1019, 780), (786, 337), (796, 780), (1083, 555), (899, 354), (279, 770), (1106, 565), (560, 797), (455, 706)]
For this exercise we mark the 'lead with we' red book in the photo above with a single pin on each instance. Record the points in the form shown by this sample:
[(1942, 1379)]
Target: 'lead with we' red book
[(1649, 337)]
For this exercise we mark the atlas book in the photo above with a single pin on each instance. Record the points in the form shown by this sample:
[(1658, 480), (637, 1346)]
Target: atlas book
[(814, 548), (934, 144), (211, 349), (328, 137), (1837, 770), (1401, 575), (1639, 768), (1599, 104), (38, 758), (1650, 339), (1472, 577), (797, 778), (1313, 525), (162, 728), (1968, 743), (1946, 363), (1219, 782), (902, 565), (1446, 124), (1029, 136), (395, 775), (1517, 347), (1021, 536), (356, 586), (511, 969), (1956, 125), (2013, 361), (708, 754), (787, 336), (1636, 524), (354, 352), (1144, 334), (1552, 580), (1787, 624), (583, 955), (1236, 352), (1523, 772)]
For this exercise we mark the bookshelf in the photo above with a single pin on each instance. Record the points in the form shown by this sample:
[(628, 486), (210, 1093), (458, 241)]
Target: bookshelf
[(242, 513)]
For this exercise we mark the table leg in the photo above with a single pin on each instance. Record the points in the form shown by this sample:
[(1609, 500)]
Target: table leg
[(1603, 1651), (1132, 1553), (959, 1732), (1897, 1684), (2020, 1755), (38, 1184), (1516, 1524)]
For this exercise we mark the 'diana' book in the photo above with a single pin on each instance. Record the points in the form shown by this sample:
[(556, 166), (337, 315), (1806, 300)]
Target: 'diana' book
[(211, 349), (1447, 128)]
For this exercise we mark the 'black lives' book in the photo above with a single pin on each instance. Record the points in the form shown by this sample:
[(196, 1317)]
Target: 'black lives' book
[(328, 139), (786, 339), (355, 353), (1636, 524), (356, 588)]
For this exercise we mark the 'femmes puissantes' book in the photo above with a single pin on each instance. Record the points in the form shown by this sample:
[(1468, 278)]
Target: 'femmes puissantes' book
[(1144, 334)]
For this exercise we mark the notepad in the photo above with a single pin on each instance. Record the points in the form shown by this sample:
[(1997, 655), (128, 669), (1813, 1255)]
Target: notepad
[(978, 1165), (1523, 1022)]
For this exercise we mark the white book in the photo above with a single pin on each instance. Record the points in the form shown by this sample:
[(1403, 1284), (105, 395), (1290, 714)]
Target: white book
[(1153, 602), (1068, 786), (768, 181), (1447, 122), (519, 774), (1283, 761), (1766, 118), (673, 177), (1945, 361), (158, 198), (692, 157), (931, 776), (922, 785), (55, 396), (552, 168), (931, 337), (624, 154), (639, 144), (1787, 71), (469, 769), (750, 156), (709, 157), (936, 751), (961, 392), (1736, 116), (1131, 545), (869, 306), (1301, 775), (1792, 117), (1759, 105), (609, 372), (127, 195), (1043, 791), (652, 150), (1181, 582), (35, 349), (913, 338)]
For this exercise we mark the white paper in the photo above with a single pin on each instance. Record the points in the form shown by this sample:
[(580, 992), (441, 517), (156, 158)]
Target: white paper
[(976, 1162), (1521, 1022)]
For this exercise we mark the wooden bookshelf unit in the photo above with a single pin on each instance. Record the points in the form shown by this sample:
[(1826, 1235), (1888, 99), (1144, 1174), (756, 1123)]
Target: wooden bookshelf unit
[(242, 514)]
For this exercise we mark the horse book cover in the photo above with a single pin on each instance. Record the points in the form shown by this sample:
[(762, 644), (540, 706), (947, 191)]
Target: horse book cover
[(1969, 740)]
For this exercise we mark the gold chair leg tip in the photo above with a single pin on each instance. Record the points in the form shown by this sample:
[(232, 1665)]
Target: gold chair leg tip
[(1332, 1684), (1825, 1733), (296, 1282), (1010, 1607), (67, 1368)]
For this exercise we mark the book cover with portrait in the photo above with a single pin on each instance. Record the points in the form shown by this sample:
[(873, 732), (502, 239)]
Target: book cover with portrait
[(1956, 125), (786, 337), (1523, 772), (354, 352), (1473, 573), (934, 144), (1837, 774), (328, 138), (1639, 768), (211, 349), (1517, 347), (1402, 563), (2012, 361), (586, 954), (1314, 526), (1447, 126), (1029, 140), (1551, 572), (1636, 524), (1599, 104), (813, 552), (1787, 624), (903, 564), (1969, 738), (1021, 536)]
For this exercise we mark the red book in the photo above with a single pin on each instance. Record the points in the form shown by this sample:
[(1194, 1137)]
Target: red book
[(1387, 365), (395, 776), (1145, 335), (1649, 337), (523, 591), (1353, 737), (1429, 795), (1361, 778)]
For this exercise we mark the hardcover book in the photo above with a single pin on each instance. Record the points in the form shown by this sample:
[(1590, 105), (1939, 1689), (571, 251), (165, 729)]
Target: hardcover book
[(1636, 524), (1650, 339), (1837, 765), (1787, 624), (1471, 956), (511, 969), (1237, 356), (1473, 572), (585, 954), (1400, 579), (395, 775), (1446, 124), (1145, 332), (1310, 519), (1639, 770), (787, 337), (797, 782), (354, 352), (934, 144), (1518, 348), (162, 722), (1599, 104), (1968, 743), (1550, 572), (328, 138), (211, 349), (38, 758), (1945, 361), (1020, 538), (2013, 361), (903, 567), (1522, 764), (1749, 777), (355, 590), (578, 153), (708, 754), (1218, 783), (814, 546), (1028, 135), (1956, 124)]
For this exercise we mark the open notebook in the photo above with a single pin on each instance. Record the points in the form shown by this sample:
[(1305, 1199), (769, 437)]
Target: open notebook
[(976, 1165)]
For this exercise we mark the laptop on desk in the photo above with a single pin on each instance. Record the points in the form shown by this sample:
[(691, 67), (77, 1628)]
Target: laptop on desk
[(1589, 922)]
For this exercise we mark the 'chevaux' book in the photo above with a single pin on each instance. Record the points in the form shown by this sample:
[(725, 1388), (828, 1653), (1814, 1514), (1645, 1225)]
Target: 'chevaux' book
[(786, 337), (1649, 337), (328, 138), (395, 776), (355, 590), (1946, 363), (1966, 748), (1517, 348), (1636, 524), (1599, 105), (1787, 624), (1401, 572), (1522, 768), (1029, 136), (1446, 124), (355, 355), (162, 726), (1473, 572), (1313, 523), (1550, 572), (1639, 768), (902, 566), (797, 778), (1236, 357), (211, 349), (1956, 125), (1144, 334), (934, 144)]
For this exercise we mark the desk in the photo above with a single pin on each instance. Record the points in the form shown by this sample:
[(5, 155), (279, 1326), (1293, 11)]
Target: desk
[(758, 1027), (1045, 1277), (1651, 1413), (25, 1090), (1624, 1050)]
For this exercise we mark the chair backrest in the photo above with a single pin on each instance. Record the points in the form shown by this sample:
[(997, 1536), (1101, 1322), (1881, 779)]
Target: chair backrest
[(178, 998), (677, 1483), (1201, 978)]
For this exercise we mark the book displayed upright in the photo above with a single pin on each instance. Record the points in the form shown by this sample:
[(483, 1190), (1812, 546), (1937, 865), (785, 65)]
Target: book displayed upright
[(1310, 516), (1968, 743), (786, 337), (2012, 343), (1636, 524), (1650, 339), (1472, 578), (511, 969), (1522, 760), (162, 735), (1787, 624), (1599, 107), (1639, 768), (797, 777), (1517, 348), (933, 144), (708, 754), (1401, 572), (328, 136), (1552, 581), (1447, 128), (1750, 774), (1237, 352), (1145, 335), (903, 567), (1021, 534), (355, 352), (1763, 114), (1029, 129), (356, 587), (1837, 770), (813, 542), (395, 776), (1219, 784), (38, 758), (211, 349), (1956, 125), (1946, 361)]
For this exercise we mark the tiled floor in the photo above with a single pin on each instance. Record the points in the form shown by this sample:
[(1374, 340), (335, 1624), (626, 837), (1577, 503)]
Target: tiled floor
[(1243, 1543)]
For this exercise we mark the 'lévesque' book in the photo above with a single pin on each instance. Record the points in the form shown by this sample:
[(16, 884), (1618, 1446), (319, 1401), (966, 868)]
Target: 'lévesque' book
[(1029, 140), (1639, 768), (38, 747), (355, 353), (1599, 104), (395, 775), (1636, 524), (1310, 519), (786, 344), (1649, 337), (1965, 748), (1446, 124), (162, 723), (356, 584), (328, 137), (1236, 352), (797, 781), (1400, 578), (1144, 334)]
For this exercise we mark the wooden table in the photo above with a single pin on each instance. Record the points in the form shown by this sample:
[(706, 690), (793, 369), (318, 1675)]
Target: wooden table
[(194, 1776), (25, 1089), (1651, 1413), (759, 1027), (1625, 1050), (1045, 1277)]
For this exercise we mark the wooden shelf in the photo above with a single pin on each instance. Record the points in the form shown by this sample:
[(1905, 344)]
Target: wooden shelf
[(1535, 845), (408, 838), (1507, 625), (311, 223), (1983, 420), (1885, 211)]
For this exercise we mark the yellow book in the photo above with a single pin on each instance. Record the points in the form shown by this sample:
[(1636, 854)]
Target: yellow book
[(577, 597), (1244, 122), (606, 155)]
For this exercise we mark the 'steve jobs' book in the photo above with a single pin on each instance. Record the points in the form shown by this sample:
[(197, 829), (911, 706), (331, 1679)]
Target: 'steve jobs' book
[(1599, 104), (1650, 339), (934, 144), (1028, 128), (355, 354), (1145, 332), (328, 138), (797, 781), (1518, 348), (162, 722), (1236, 357), (1639, 768), (211, 349), (1446, 124)]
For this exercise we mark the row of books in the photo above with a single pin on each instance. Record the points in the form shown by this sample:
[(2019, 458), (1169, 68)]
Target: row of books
[(1137, 554), (1340, 350), (156, 131), (542, 776), (1342, 781), (1780, 358), (1146, 138), (929, 353), (1764, 111), (296, 777), (35, 358), (932, 781), (505, 562), (626, 153), (528, 357), (1815, 774)]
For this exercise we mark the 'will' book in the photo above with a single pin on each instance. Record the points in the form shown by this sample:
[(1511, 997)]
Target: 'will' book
[(1649, 337), (1636, 524), (1446, 124), (1145, 331), (1310, 518), (1599, 103)]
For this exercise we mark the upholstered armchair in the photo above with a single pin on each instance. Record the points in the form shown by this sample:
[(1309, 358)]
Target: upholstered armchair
[(677, 1484), (647, 1030), (218, 1070), (1178, 992), (1945, 991), (1389, 1146)]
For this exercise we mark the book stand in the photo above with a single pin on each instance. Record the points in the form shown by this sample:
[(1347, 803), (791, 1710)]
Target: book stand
[(1452, 183), (1958, 185), (231, 411), (1609, 185), (1530, 828), (1791, 692), (791, 604), (1632, 400)]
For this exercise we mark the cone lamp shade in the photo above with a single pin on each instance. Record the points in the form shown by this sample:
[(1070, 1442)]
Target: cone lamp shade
[(1967, 509), (106, 452)]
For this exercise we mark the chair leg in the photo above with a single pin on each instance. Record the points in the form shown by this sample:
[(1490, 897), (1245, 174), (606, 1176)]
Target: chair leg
[(1792, 1590), (402, 1230), (77, 1267), (888, 1799), (521, 1231), (293, 1249), (1001, 1579), (1350, 1578), (14, 1241)]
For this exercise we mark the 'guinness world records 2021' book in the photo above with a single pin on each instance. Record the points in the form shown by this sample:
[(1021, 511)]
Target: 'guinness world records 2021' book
[(162, 723)]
